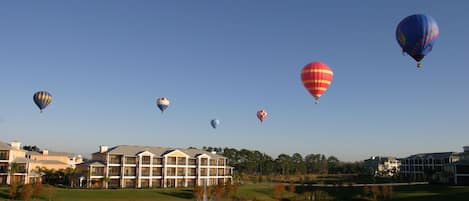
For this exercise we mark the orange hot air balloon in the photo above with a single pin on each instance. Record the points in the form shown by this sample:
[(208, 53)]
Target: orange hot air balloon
[(316, 77), (261, 115)]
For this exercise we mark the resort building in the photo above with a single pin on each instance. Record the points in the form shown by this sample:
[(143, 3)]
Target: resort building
[(424, 165), (382, 166), (23, 166), (127, 166)]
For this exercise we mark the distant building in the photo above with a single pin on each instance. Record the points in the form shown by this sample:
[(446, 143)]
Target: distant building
[(423, 166), (382, 166), (127, 166), (28, 162)]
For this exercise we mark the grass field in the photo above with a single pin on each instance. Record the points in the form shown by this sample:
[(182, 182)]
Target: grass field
[(258, 192)]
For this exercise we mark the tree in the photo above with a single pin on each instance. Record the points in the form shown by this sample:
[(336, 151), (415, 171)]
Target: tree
[(26, 191), (284, 163), (298, 164), (31, 148), (13, 189)]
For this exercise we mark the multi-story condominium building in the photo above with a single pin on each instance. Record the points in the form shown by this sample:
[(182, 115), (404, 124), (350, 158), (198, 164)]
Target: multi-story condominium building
[(127, 166), (421, 166), (382, 166), (13, 154), (28, 163)]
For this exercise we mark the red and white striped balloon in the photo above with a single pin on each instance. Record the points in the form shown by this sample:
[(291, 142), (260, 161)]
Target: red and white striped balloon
[(261, 115), (316, 78)]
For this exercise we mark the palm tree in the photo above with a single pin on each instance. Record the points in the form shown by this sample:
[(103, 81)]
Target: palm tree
[(105, 181)]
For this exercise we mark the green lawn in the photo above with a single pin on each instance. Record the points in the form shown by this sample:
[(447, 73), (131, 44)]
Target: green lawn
[(261, 192)]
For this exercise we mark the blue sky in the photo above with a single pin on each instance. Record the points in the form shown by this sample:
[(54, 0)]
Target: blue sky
[(106, 62)]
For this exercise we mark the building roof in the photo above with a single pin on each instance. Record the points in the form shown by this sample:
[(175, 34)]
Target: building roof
[(4, 146), (433, 155), (133, 150), (92, 163), (49, 162), (52, 153)]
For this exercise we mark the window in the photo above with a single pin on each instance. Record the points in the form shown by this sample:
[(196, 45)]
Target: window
[(146, 160), (213, 162), (157, 161), (191, 172), (4, 168), (157, 171), (114, 159), (181, 171), (114, 171), (170, 171), (192, 161), (129, 171), (130, 160), (3, 155), (145, 172), (181, 160), (204, 161), (171, 161)]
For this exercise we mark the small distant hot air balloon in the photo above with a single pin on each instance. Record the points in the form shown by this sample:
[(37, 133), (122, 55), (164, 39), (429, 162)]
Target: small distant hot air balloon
[(316, 78), (162, 103), (215, 123), (261, 115), (42, 99), (416, 34)]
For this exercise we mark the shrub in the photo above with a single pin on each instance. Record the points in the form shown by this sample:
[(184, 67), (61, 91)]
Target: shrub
[(26, 191)]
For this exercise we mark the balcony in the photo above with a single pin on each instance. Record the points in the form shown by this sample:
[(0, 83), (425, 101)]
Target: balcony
[(171, 161), (157, 161), (146, 160), (131, 160), (3, 155), (114, 159), (192, 162), (181, 161)]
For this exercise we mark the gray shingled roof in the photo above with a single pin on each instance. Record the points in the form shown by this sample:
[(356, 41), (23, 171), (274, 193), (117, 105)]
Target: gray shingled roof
[(4, 146), (434, 155), (132, 150)]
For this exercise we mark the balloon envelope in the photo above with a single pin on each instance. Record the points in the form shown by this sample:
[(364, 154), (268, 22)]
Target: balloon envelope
[(316, 77), (416, 34), (215, 123), (162, 103), (261, 115), (42, 99)]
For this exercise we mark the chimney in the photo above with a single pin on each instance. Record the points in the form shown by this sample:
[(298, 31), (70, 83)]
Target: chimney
[(45, 152), (466, 149), (103, 148), (214, 152), (15, 145)]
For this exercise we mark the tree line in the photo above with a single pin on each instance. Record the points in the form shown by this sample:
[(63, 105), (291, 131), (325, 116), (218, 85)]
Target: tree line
[(257, 163)]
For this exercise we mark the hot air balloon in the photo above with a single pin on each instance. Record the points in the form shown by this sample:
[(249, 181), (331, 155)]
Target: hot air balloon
[(162, 103), (316, 78), (215, 123), (416, 34), (261, 115), (42, 99)]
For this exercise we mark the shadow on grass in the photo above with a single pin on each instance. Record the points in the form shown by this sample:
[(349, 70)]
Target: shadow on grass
[(184, 194)]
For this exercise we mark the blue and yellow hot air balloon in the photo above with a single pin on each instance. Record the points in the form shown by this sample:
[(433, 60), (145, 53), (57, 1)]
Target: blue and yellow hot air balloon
[(42, 99), (215, 123), (416, 34), (162, 103)]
